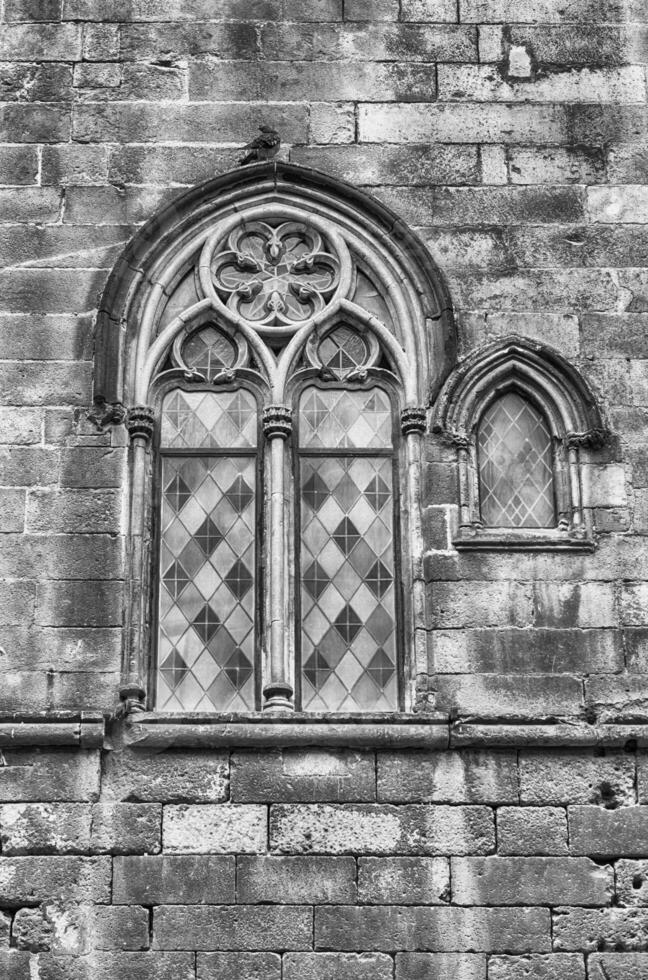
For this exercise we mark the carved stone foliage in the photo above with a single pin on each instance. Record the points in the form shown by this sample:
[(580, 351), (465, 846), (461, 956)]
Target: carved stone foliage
[(276, 274)]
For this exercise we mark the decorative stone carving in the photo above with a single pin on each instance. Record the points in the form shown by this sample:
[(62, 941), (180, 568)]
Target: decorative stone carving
[(277, 421), (103, 414), (141, 422), (276, 275), (413, 420)]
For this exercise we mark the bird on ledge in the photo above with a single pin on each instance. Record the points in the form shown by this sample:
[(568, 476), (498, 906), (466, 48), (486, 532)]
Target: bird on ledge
[(262, 147)]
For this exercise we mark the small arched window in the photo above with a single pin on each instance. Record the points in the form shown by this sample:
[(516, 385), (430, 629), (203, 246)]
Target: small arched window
[(280, 343), (516, 466), (519, 415)]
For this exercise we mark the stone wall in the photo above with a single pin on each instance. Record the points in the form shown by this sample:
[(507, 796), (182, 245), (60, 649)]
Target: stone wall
[(511, 134)]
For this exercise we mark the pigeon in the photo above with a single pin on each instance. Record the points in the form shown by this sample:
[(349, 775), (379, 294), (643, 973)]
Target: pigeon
[(262, 147)]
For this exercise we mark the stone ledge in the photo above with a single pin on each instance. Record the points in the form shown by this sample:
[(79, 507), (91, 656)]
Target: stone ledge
[(84, 729)]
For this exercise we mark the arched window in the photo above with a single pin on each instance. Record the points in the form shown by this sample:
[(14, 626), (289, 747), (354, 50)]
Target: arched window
[(278, 358), (519, 415)]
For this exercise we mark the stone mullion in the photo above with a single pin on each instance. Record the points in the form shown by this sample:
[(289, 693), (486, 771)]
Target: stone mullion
[(278, 691), (413, 425)]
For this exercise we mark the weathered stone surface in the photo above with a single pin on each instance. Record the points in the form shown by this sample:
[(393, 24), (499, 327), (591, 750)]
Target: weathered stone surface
[(445, 966), (296, 880), (99, 965), (247, 966), (439, 929), (174, 880), (532, 830), (613, 833), (223, 927), (403, 881), (542, 651), (537, 966), (303, 775), (618, 966), (573, 777), (367, 829), (172, 776), (57, 774), (593, 930), (337, 966), (631, 882), (206, 829), (530, 881), (440, 777), (30, 880)]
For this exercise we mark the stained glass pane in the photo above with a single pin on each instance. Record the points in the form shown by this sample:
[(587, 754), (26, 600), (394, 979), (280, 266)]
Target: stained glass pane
[(342, 350), (206, 642), (209, 420), (515, 465), (209, 351), (331, 418), (347, 584)]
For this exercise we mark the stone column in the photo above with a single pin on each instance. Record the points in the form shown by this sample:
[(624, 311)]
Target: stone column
[(278, 692), (413, 426), (140, 424)]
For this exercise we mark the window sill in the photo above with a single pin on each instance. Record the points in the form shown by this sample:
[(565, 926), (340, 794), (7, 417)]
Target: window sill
[(525, 539)]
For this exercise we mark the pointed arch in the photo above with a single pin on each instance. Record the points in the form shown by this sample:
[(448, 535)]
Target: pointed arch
[(558, 395)]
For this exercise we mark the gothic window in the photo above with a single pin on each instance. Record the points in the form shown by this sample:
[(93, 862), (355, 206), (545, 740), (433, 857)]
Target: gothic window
[(277, 357), (519, 416)]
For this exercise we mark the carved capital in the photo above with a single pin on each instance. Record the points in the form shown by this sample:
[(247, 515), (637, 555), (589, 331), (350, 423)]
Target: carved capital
[(413, 420), (133, 698), (141, 422), (105, 413), (594, 438), (277, 421)]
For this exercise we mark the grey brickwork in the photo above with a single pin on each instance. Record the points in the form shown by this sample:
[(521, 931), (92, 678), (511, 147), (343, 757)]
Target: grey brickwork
[(512, 136)]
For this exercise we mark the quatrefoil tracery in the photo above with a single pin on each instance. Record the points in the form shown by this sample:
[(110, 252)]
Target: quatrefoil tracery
[(276, 275)]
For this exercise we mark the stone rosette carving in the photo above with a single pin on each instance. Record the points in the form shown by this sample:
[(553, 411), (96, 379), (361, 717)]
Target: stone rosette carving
[(276, 275)]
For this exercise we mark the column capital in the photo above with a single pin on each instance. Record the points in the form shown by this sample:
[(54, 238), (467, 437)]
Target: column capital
[(413, 420), (140, 422), (277, 421)]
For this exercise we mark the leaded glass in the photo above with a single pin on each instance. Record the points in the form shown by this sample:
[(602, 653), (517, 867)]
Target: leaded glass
[(348, 634), (515, 465), (342, 350), (209, 350), (334, 418), (206, 645), (209, 420)]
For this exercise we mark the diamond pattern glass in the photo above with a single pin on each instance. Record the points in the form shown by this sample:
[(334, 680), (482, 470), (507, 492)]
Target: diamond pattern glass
[(342, 350), (348, 629), (207, 557), (332, 418), (209, 351), (515, 465), (209, 420)]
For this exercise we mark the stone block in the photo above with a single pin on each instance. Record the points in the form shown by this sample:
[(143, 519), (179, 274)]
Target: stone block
[(524, 651), (538, 966), (622, 699), (415, 928), (576, 246), (33, 10), (484, 83), (93, 468), (429, 10), (510, 696), (371, 42), (126, 828), (569, 776), (18, 164), (71, 510), (375, 166), (441, 966), (44, 42), (16, 603), (332, 122), (171, 776), (530, 881), (295, 880), (615, 334), (631, 882), (529, 290), (555, 165), (565, 604), (448, 777), (303, 775), (484, 205), (627, 163), (45, 828), (572, 44), (14, 964), (624, 202), (207, 829), (56, 291), (634, 604), (461, 604), (225, 927), (25, 204), (337, 966), (596, 930), (33, 879), (403, 881), (367, 829), (82, 929), (74, 163), (617, 966), (106, 965), (608, 833), (471, 123), (79, 603), (44, 338), (19, 426), (532, 830), (174, 880), (546, 12), (243, 966), (49, 774)]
